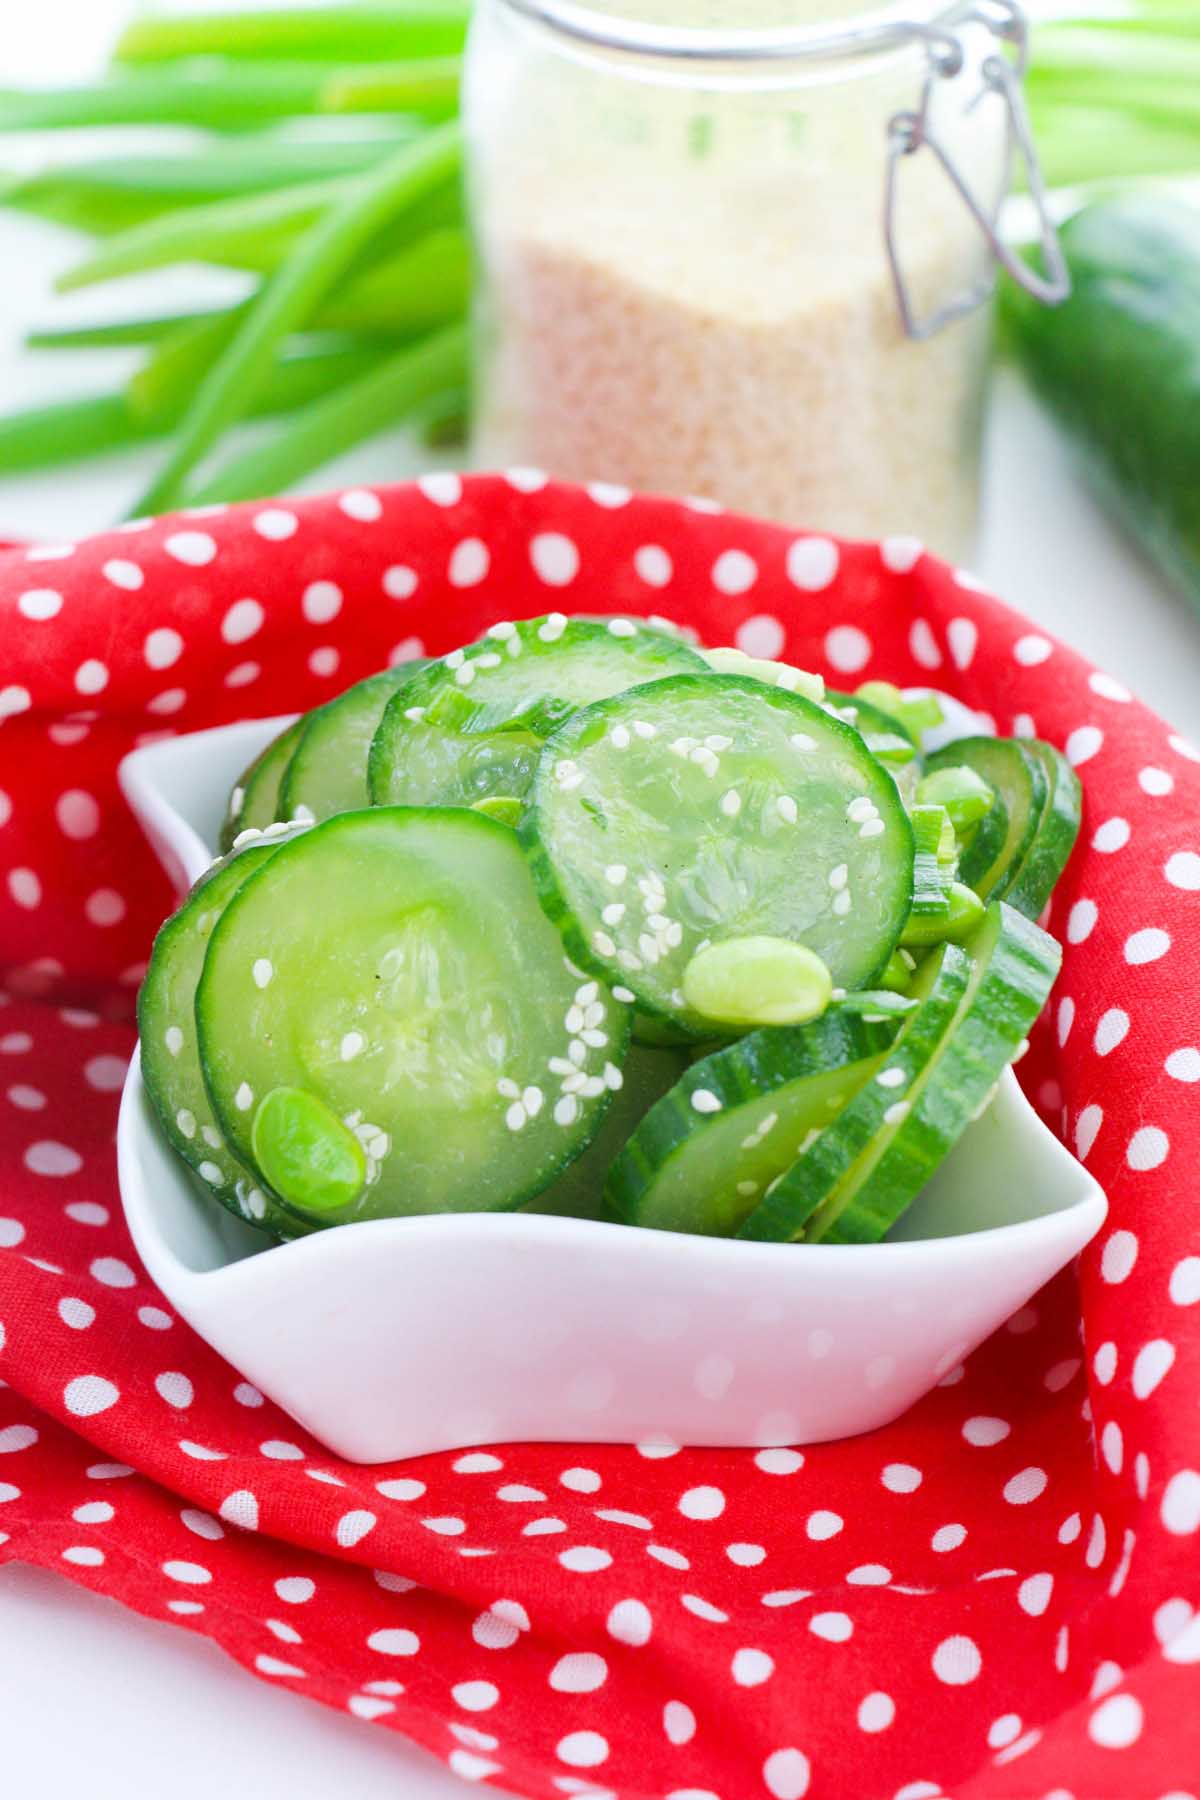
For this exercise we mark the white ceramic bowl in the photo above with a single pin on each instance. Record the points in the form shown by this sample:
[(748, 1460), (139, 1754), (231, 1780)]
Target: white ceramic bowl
[(405, 1336)]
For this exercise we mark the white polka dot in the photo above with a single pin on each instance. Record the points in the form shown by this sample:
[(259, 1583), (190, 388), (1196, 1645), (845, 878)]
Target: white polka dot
[(761, 635), (443, 487), (984, 1431), (39, 604), (679, 1722), (746, 1556), (779, 1462), (26, 1098), (581, 1481), (275, 524), (321, 601), (1156, 782), (295, 1589), (1032, 649), (609, 494), (77, 813), (1112, 1028), (25, 888), (847, 649), (243, 674), (703, 1609), (1083, 744), (876, 1712), (94, 1512), (162, 648), (812, 563), (1112, 835), (1087, 1125), (353, 1527), (1025, 1486), (202, 1524), (582, 1749), (630, 1622), (956, 1661), (702, 1503), (823, 1524), (500, 1626), (405, 1488), (394, 1641), (14, 700), (1104, 1363), (923, 645), (1066, 1018), (76, 1313), (50, 1158), (407, 650), (526, 481), (834, 1627), (900, 554), (734, 572), (105, 907), (86, 1555), (324, 661), (585, 1559), (580, 1672), (654, 565), (869, 1575), (962, 635), (87, 1212), (750, 1668), (1081, 921), (20, 1437), (1118, 1256), (175, 1388), (901, 1478), (1112, 1446), (1033, 1595), (1182, 870), (1181, 1503), (1148, 1148), (787, 1774), (243, 619), (1185, 1281), (195, 548), (1116, 1723), (88, 1395), (469, 563), (154, 1318), (555, 558)]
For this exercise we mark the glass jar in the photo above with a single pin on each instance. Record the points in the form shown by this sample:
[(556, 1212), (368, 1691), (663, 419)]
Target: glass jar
[(711, 256)]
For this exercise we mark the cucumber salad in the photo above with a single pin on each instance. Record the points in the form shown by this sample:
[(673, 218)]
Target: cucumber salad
[(587, 919)]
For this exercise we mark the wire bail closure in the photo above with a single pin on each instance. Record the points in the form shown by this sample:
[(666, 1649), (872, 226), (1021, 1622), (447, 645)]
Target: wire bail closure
[(909, 132)]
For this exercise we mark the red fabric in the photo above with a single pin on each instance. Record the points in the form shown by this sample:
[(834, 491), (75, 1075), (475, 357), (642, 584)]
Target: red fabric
[(994, 1597)]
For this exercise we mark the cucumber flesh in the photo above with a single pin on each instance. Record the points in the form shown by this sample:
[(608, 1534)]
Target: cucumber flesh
[(884, 736), (1017, 776), (327, 772), (394, 964), (1014, 965), (254, 801), (170, 1055), (817, 1175), (579, 1191), (703, 808), (737, 1119), (1054, 839)]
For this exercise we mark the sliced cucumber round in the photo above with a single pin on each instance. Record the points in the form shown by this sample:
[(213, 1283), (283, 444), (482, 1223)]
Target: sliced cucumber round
[(1055, 837), (884, 736), (327, 773), (394, 965), (821, 1167), (708, 807), (170, 1055), (254, 801), (1003, 836), (470, 726), (704, 1156), (579, 1191)]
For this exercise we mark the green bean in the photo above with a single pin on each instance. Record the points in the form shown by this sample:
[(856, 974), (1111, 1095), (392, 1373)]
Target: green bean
[(351, 415), (429, 88), (301, 284), (357, 33), (748, 981), (964, 795), (966, 913), (239, 97)]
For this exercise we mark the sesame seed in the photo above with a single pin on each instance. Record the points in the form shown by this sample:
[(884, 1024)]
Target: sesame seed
[(558, 1065), (352, 1045), (787, 809), (173, 1039), (731, 803), (860, 809), (553, 628), (648, 948), (572, 1083), (186, 1122), (263, 970), (531, 1100), (490, 661), (595, 1040), (705, 1101), (256, 1203), (624, 995), (657, 921), (613, 913), (593, 1087), (615, 874), (706, 760), (841, 903), (602, 943), (872, 828), (890, 1078), (800, 740), (212, 1137), (838, 877), (566, 1110), (281, 826), (644, 729), (514, 1118), (896, 1114), (628, 961), (236, 801), (574, 1019), (508, 1089), (246, 837), (614, 1081), (594, 1014), (414, 713), (619, 737), (505, 629), (577, 1051), (622, 628), (456, 659), (674, 936), (209, 1172), (718, 743), (589, 992)]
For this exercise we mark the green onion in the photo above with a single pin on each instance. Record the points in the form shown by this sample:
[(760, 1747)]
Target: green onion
[(355, 33), (315, 266), (236, 98), (350, 416), (118, 334), (429, 87)]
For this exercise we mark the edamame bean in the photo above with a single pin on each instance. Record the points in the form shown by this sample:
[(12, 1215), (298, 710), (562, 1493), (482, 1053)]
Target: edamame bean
[(306, 1154), (757, 981), (966, 913), (897, 977), (965, 795), (730, 661)]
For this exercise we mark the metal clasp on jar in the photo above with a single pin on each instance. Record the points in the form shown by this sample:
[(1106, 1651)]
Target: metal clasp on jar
[(908, 133)]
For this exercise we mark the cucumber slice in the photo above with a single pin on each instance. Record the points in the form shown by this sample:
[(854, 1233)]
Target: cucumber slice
[(254, 801), (327, 773), (809, 1183), (170, 1056), (709, 807), (394, 965), (471, 725), (1054, 839), (579, 1191), (1014, 965), (884, 736), (1018, 777), (736, 1120)]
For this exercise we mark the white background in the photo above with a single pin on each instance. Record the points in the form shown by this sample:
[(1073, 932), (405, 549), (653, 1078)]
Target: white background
[(95, 1702)]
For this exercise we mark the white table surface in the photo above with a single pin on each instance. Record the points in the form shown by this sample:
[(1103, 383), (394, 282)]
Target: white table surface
[(154, 1709)]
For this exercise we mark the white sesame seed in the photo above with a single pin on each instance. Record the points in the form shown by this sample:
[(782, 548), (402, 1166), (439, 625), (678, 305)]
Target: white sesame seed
[(553, 628), (872, 828), (838, 877), (644, 729), (574, 1019), (593, 1087), (414, 713), (613, 913), (263, 970), (558, 1065), (352, 1045), (594, 1014), (209, 1172), (212, 1137), (648, 948), (674, 935), (574, 1082), (505, 629), (705, 1101), (531, 1100), (256, 1203), (246, 837), (657, 921), (841, 903), (490, 661), (800, 740), (507, 1088), (566, 1110), (589, 992), (622, 628), (615, 874), (186, 1122), (896, 1114), (860, 809), (624, 995), (717, 742), (280, 827), (577, 1051), (515, 1118), (706, 760), (787, 809), (173, 1039), (456, 659), (731, 803), (466, 675), (595, 1040), (619, 737), (602, 943), (614, 1081), (891, 1078), (628, 961)]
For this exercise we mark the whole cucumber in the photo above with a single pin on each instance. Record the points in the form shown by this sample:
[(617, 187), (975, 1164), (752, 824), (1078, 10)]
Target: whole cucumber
[(1119, 365)]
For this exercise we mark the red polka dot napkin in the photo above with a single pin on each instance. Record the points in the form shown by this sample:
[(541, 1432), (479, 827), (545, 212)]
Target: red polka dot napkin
[(999, 1595)]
